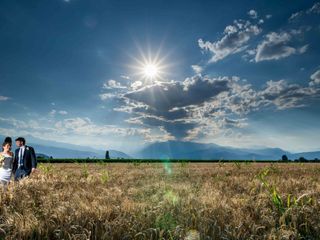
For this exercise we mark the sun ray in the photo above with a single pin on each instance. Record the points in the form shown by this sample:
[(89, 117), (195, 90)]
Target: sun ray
[(149, 66)]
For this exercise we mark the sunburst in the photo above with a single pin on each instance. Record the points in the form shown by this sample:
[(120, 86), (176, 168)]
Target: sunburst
[(149, 67)]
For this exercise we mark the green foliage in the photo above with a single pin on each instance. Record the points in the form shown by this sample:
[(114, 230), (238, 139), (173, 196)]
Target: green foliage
[(136, 162), (166, 221), (171, 197), (273, 193), (277, 201), (183, 163), (275, 196), (46, 168), (104, 176), (237, 164), (85, 171)]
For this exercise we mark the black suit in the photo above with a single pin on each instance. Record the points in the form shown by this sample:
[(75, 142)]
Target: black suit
[(29, 161)]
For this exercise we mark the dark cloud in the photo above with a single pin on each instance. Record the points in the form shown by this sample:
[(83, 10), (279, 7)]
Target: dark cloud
[(178, 129), (172, 105), (165, 96), (201, 105)]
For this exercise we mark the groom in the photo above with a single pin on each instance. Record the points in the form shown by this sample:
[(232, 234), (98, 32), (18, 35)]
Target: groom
[(25, 161)]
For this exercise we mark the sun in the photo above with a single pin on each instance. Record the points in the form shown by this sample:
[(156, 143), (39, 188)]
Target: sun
[(149, 67), (151, 70)]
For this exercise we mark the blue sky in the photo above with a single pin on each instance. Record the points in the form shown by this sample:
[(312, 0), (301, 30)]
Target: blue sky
[(236, 73)]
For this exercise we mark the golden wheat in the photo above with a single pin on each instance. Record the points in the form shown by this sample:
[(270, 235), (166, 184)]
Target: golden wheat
[(164, 201)]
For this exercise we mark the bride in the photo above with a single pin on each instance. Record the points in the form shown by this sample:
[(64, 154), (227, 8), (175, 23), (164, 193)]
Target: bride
[(6, 160)]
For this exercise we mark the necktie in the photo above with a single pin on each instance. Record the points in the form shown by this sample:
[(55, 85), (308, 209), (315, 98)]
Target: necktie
[(20, 157)]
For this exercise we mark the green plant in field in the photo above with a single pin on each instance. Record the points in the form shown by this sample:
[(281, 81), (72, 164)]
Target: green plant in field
[(273, 168), (102, 163), (104, 176), (46, 168), (276, 200), (237, 164), (171, 197), (274, 195), (166, 221), (144, 203), (184, 163), (262, 175), (85, 171), (317, 170), (136, 162)]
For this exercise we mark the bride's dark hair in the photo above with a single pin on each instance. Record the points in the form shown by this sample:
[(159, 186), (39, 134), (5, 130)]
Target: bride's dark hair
[(6, 141)]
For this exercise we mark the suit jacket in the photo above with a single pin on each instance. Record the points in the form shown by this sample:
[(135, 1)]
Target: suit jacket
[(29, 159)]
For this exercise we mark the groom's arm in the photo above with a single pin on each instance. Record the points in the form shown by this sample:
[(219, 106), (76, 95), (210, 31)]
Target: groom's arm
[(33, 158), (15, 162)]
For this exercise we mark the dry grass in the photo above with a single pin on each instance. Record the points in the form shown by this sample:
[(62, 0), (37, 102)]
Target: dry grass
[(164, 201)]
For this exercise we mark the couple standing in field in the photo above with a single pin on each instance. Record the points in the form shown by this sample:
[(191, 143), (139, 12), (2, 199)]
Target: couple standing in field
[(20, 165)]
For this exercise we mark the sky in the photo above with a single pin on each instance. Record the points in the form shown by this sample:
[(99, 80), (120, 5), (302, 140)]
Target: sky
[(124, 74)]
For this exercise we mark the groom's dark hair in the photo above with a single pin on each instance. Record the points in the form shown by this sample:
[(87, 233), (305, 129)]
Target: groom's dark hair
[(21, 139)]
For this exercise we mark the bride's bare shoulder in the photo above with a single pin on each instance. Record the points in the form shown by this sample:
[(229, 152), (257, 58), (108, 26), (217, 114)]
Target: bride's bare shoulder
[(11, 154)]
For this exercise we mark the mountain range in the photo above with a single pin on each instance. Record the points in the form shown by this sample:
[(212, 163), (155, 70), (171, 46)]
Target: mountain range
[(166, 150), (66, 150), (201, 151)]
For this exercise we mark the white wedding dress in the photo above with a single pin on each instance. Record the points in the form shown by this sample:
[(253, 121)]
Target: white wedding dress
[(6, 169)]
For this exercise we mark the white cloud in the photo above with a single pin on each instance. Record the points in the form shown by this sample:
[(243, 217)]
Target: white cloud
[(125, 77), (4, 98), (295, 16), (84, 126), (70, 127), (62, 112), (25, 125), (234, 40), (201, 106), (253, 14), (112, 84), (197, 68), (315, 78), (315, 9), (303, 49), (106, 96), (135, 85), (53, 112), (276, 46)]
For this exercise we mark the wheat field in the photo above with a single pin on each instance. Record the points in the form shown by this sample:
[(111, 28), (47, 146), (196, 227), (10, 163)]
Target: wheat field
[(164, 201)]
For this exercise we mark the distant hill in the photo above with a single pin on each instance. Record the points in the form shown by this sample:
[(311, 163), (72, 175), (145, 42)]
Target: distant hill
[(65, 150), (57, 152), (306, 155), (191, 150), (166, 150), (42, 156)]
